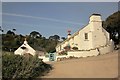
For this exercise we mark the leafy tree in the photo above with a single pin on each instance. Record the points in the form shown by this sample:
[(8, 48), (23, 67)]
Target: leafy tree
[(63, 38), (35, 34), (1, 29), (11, 41), (14, 29), (10, 32), (55, 37), (112, 25)]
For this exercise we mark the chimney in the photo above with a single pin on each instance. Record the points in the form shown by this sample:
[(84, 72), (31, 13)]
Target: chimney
[(25, 41), (95, 18), (96, 22), (69, 34)]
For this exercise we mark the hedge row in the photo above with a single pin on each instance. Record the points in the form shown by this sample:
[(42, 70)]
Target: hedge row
[(16, 67)]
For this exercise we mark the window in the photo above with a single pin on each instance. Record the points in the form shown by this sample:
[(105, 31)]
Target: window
[(86, 36), (23, 47)]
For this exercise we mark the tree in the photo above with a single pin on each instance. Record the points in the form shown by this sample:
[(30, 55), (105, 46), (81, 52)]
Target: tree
[(55, 37), (35, 34), (112, 25), (1, 29), (14, 30), (11, 41), (63, 38), (10, 32)]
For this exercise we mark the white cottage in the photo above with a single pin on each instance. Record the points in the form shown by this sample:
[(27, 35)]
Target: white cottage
[(25, 49), (91, 40)]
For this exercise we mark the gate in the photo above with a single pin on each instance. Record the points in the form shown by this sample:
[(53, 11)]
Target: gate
[(52, 56)]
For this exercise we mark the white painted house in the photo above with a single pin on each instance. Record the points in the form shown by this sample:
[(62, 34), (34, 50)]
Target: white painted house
[(91, 40), (25, 49)]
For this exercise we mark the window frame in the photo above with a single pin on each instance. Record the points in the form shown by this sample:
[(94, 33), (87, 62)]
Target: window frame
[(86, 36)]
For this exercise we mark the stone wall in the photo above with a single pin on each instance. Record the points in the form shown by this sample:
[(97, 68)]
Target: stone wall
[(83, 53), (92, 52), (44, 59), (106, 49)]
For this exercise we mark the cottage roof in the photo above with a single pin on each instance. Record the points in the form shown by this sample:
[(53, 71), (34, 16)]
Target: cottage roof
[(25, 48)]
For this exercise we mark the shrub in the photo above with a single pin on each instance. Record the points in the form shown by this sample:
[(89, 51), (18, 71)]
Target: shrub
[(75, 48), (16, 67), (67, 48), (63, 53)]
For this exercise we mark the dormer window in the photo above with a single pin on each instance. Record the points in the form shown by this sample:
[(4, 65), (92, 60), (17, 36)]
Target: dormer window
[(86, 36)]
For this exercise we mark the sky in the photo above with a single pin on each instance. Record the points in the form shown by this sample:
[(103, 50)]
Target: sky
[(52, 18)]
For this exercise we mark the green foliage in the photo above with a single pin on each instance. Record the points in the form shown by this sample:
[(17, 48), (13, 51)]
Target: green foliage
[(35, 34), (63, 53), (67, 48), (75, 48), (112, 25), (55, 37), (113, 20), (12, 42), (63, 38), (10, 32), (15, 66)]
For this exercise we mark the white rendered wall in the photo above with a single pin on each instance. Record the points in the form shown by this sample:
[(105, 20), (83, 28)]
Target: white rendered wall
[(71, 42), (79, 39), (97, 36)]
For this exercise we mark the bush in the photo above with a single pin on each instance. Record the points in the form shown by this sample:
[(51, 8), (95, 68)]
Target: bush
[(75, 48), (67, 48), (16, 67), (63, 53)]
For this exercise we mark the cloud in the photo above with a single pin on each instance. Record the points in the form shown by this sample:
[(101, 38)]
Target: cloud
[(34, 25), (42, 18), (23, 24)]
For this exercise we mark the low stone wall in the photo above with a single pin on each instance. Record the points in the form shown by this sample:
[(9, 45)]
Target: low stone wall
[(61, 57), (106, 49), (44, 59), (83, 53), (92, 52)]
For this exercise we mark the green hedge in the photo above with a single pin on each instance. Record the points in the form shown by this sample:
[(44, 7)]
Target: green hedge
[(16, 67)]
